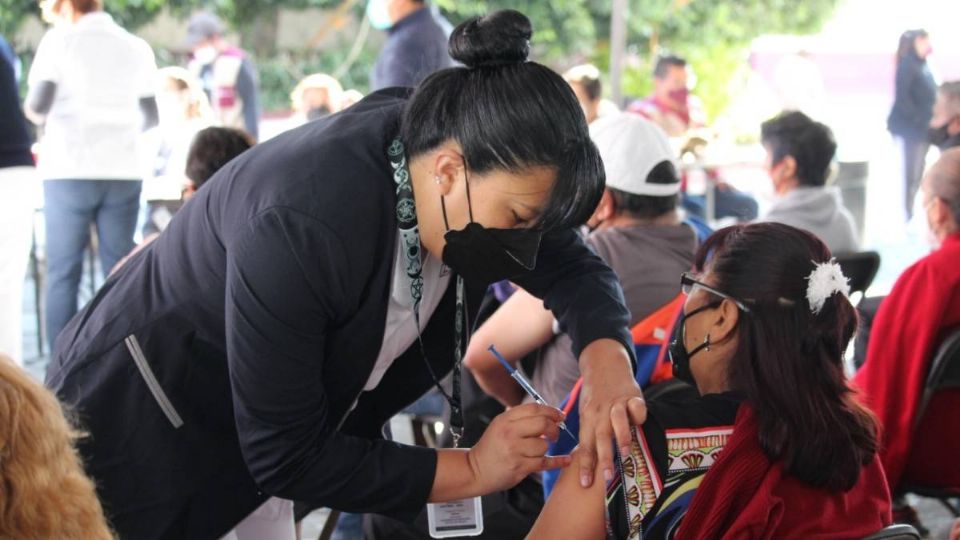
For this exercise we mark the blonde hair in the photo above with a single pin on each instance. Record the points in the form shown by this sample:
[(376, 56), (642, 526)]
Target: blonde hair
[(320, 81), (199, 104), (44, 492)]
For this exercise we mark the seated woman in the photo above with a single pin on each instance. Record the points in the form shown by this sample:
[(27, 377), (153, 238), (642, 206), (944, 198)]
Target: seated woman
[(773, 437), (44, 492)]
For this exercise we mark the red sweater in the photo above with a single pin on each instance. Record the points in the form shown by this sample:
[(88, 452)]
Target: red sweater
[(911, 322), (746, 495)]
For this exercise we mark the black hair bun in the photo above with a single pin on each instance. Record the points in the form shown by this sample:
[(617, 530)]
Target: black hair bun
[(502, 37)]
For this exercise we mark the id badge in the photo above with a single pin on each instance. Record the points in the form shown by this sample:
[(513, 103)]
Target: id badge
[(455, 518)]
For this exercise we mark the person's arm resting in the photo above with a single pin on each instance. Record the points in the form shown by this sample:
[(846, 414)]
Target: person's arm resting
[(520, 326), (247, 90), (150, 113), (39, 101)]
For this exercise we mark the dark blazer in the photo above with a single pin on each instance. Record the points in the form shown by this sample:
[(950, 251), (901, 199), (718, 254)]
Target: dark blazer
[(219, 365), (416, 47), (916, 92)]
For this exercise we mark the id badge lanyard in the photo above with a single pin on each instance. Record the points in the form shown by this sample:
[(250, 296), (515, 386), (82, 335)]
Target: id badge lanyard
[(413, 264), (453, 518)]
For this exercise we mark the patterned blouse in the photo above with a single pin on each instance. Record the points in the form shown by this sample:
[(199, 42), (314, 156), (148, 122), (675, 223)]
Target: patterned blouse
[(682, 437)]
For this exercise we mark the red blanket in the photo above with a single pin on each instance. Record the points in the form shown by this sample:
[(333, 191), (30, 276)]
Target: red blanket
[(911, 322), (745, 495)]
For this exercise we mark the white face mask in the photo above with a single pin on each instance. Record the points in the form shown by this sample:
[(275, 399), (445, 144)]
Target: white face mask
[(378, 14), (205, 54)]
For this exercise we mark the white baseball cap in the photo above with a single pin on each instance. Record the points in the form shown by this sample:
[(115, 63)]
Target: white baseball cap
[(631, 147)]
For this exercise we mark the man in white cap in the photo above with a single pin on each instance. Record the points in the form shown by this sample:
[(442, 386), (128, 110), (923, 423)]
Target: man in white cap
[(226, 73), (637, 229)]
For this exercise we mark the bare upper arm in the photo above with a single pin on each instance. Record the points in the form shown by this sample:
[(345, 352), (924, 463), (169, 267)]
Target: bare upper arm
[(572, 512)]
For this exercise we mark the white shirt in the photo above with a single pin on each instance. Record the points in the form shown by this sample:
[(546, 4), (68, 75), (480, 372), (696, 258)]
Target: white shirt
[(163, 157), (401, 329), (101, 71)]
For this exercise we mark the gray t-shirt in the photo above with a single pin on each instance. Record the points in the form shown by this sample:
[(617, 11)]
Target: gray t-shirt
[(649, 260)]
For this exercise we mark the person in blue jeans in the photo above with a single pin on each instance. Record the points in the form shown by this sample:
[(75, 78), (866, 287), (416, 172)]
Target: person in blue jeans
[(70, 208), (91, 85)]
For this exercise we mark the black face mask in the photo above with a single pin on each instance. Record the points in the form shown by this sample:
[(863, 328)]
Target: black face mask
[(484, 256), (938, 136), (679, 355)]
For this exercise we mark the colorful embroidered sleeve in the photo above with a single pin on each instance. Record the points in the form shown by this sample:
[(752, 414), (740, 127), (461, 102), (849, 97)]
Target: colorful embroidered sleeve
[(657, 481)]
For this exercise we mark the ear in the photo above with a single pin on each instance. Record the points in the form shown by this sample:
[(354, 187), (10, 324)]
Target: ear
[(605, 207), (723, 327), (447, 167), (939, 214), (788, 168), (954, 125)]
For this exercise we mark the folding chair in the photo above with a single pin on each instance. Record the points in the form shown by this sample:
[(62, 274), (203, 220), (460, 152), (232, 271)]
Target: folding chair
[(944, 374), (897, 531), (860, 268)]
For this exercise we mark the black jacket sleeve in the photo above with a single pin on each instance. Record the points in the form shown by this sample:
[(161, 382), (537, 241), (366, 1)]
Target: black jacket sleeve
[(583, 293), (908, 75), (288, 283), (247, 90)]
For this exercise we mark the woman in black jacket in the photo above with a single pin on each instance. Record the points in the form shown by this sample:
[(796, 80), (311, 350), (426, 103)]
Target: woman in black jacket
[(909, 120), (298, 301)]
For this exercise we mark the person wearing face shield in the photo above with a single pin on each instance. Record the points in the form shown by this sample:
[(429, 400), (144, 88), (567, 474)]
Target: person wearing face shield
[(767, 441), (227, 74), (945, 123), (325, 279), (920, 311)]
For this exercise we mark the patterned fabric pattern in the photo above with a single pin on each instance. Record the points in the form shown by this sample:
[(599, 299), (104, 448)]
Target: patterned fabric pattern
[(655, 506)]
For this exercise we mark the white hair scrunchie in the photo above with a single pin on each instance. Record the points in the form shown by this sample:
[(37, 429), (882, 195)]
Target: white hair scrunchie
[(824, 281)]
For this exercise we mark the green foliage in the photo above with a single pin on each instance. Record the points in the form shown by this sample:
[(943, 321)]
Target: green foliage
[(13, 13), (279, 74), (714, 35)]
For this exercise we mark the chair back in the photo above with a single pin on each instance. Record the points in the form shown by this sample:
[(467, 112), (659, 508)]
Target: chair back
[(944, 370), (860, 268)]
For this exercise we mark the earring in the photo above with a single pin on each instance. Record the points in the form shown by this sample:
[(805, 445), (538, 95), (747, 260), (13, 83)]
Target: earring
[(706, 342), (436, 178)]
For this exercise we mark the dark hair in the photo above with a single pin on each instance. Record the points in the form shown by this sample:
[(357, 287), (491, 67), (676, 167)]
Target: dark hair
[(646, 206), (507, 113), (789, 361), (810, 143), (951, 92), (212, 148), (664, 63), (908, 43)]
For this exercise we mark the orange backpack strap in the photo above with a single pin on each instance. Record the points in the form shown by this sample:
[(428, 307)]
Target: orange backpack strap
[(574, 394), (655, 329)]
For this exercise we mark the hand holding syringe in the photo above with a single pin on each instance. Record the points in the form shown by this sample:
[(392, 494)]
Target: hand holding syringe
[(525, 384)]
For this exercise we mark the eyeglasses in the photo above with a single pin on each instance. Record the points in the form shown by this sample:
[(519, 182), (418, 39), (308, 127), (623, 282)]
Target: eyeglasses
[(687, 283)]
